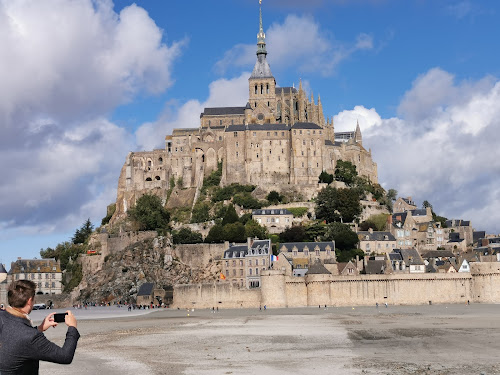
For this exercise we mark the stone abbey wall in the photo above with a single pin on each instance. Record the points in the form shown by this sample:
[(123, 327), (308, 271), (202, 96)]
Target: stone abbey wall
[(482, 285)]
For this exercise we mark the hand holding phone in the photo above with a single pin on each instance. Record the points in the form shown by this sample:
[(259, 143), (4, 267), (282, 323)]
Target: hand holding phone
[(60, 317)]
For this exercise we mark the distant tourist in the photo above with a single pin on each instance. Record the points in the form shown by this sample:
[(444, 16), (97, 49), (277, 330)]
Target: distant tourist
[(22, 346)]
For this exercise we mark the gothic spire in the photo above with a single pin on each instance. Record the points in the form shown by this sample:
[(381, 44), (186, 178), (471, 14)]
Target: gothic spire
[(261, 69), (261, 36)]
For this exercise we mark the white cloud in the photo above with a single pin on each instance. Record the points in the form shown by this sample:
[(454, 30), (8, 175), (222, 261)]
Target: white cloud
[(81, 59), (299, 42), (65, 66), (222, 93), (442, 148)]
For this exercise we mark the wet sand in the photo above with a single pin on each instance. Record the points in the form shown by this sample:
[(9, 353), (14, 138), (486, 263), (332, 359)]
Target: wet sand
[(437, 339)]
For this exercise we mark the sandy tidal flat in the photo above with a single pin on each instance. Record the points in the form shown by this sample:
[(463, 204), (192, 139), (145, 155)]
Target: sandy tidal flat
[(438, 339)]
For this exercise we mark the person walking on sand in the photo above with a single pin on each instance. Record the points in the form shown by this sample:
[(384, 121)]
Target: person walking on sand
[(22, 346)]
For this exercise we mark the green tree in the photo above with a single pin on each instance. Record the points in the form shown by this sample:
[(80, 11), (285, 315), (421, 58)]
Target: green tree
[(325, 177), (314, 231), (293, 234), (234, 232), (392, 194), (344, 256), (254, 229), (245, 218), (346, 172), (344, 237), (186, 235), (149, 213), (201, 212), (63, 252), (83, 233), (245, 200), (274, 197), (338, 205), (426, 204), (216, 234), (230, 216)]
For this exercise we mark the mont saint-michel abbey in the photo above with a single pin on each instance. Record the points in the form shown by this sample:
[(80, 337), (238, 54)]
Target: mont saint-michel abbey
[(279, 140)]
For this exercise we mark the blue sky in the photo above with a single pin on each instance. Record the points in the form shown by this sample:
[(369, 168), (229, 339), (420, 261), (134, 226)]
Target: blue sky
[(84, 82)]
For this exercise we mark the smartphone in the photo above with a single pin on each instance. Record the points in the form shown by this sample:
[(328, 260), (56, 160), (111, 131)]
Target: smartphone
[(60, 317)]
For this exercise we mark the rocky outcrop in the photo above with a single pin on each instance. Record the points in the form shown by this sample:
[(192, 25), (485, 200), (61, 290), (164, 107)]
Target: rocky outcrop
[(151, 260)]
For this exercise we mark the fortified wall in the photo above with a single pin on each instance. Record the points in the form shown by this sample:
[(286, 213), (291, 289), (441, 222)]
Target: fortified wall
[(481, 285)]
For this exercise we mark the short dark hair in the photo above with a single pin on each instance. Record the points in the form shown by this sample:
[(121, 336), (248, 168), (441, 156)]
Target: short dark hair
[(20, 292)]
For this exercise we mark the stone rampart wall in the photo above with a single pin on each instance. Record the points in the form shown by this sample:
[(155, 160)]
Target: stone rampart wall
[(219, 294), (482, 285)]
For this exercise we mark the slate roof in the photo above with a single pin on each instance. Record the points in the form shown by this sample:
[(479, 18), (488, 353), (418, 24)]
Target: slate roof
[(2, 268), (261, 68), (280, 211), (32, 265), (438, 254), (410, 256), (145, 290), (306, 125), (234, 251), (375, 267), (262, 244), (476, 236), (180, 131), (278, 90), (310, 245), (257, 127), (254, 127), (395, 256), (375, 236), (419, 212), (317, 269), (328, 142), (221, 111), (457, 223), (399, 217)]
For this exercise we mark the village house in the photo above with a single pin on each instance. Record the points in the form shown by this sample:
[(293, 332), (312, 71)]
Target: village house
[(417, 229), (463, 228), (377, 265), (275, 220), (406, 261), (45, 273), (404, 205), (376, 242), (243, 263), (310, 251)]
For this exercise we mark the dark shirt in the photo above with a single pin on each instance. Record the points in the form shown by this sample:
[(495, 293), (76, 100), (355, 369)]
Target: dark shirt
[(23, 346)]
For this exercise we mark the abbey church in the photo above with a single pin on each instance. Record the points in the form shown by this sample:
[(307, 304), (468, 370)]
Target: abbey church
[(279, 140)]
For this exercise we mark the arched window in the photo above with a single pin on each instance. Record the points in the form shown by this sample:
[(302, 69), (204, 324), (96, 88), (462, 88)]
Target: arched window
[(149, 179), (157, 178), (267, 88), (160, 160), (256, 92), (262, 89)]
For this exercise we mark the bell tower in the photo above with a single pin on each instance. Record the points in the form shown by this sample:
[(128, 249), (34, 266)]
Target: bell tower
[(262, 85)]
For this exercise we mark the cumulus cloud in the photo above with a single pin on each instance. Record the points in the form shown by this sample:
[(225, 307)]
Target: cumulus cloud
[(441, 147), (299, 39), (222, 93), (64, 72)]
